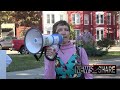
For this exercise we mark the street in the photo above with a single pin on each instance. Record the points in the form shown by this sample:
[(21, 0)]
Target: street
[(108, 76)]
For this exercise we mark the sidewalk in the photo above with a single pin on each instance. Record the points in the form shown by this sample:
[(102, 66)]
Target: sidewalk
[(26, 74), (39, 72), (115, 61), (114, 48)]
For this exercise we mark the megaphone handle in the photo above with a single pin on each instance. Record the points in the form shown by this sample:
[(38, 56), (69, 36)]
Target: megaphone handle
[(50, 58)]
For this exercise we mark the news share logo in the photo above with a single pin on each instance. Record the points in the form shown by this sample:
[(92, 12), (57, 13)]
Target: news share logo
[(96, 69)]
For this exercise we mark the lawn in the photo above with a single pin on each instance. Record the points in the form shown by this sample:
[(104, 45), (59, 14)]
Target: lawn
[(26, 62), (109, 55)]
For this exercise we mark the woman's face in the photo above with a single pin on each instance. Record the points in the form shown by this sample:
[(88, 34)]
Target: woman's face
[(64, 31)]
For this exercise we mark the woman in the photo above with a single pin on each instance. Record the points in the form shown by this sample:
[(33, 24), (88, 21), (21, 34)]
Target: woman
[(65, 56)]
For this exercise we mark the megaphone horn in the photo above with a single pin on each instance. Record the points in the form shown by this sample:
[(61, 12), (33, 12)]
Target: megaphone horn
[(35, 40)]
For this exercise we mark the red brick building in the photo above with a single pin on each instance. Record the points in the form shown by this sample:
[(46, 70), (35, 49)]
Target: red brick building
[(101, 24), (20, 30)]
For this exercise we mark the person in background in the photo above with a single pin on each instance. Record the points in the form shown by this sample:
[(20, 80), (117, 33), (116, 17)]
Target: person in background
[(65, 56)]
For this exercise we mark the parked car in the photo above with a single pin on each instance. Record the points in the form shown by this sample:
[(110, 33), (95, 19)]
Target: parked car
[(18, 45), (6, 43)]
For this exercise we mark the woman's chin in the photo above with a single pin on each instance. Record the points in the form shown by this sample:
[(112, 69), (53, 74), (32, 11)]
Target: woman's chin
[(65, 41)]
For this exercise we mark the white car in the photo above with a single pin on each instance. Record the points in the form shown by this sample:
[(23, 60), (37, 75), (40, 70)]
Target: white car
[(6, 43)]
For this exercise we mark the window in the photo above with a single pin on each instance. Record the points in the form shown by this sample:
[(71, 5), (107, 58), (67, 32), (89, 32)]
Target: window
[(102, 34), (99, 33), (76, 18), (108, 18), (48, 32), (86, 19), (53, 18), (61, 17), (113, 19), (99, 17), (77, 33), (50, 18)]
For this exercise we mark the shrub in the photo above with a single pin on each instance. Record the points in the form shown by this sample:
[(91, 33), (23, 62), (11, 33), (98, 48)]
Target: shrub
[(93, 51), (88, 42), (105, 42)]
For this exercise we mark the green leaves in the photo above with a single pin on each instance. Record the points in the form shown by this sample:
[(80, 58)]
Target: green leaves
[(72, 32), (28, 18), (25, 18), (6, 16)]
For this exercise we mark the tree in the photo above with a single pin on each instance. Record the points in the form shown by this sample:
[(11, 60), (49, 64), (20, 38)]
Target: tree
[(6, 17), (28, 18), (72, 32), (21, 18), (87, 41)]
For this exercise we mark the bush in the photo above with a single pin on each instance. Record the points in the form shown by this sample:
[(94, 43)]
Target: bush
[(93, 51), (87, 41), (105, 42)]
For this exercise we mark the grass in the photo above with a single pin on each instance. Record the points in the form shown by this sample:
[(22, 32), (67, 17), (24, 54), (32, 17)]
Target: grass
[(109, 55), (26, 62)]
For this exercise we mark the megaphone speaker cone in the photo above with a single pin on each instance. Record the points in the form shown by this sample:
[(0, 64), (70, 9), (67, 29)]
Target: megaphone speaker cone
[(33, 40)]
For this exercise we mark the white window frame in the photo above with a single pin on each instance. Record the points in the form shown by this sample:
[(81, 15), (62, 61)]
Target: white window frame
[(99, 17), (77, 19), (100, 30), (61, 17), (50, 19), (77, 32), (86, 19), (109, 21)]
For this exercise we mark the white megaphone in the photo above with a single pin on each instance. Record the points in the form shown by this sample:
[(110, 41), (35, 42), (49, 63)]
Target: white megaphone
[(35, 41)]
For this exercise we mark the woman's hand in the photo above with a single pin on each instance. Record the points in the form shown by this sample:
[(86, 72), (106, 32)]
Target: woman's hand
[(50, 52)]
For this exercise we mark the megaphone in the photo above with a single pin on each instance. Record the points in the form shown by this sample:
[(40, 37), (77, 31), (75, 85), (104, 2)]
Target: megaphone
[(35, 41)]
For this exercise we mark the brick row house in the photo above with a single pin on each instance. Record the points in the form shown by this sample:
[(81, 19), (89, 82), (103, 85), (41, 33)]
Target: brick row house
[(101, 24), (48, 18)]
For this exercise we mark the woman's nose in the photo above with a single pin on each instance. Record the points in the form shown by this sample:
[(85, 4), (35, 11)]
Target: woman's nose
[(63, 32)]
